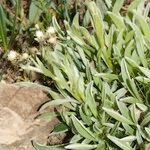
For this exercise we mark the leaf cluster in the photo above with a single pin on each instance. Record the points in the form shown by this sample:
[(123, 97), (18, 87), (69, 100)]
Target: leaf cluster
[(102, 78)]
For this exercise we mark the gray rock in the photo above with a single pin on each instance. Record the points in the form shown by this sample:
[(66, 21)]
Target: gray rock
[(18, 109)]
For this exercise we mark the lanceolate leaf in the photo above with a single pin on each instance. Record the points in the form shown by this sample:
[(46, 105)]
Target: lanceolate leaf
[(90, 101), (140, 47), (117, 116), (57, 102), (123, 145), (81, 146), (128, 81), (144, 70), (82, 130), (117, 6), (144, 25), (118, 21), (34, 12), (97, 22), (123, 109), (134, 5), (44, 147)]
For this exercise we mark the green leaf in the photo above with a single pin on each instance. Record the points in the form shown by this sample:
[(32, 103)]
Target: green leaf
[(144, 70), (82, 130), (43, 147), (118, 21), (117, 6), (107, 76), (48, 115), (75, 21), (144, 25), (78, 146), (134, 5), (3, 29), (143, 79), (86, 119), (147, 131), (130, 138), (146, 120), (60, 127), (147, 146), (97, 23), (134, 114), (128, 81), (142, 107), (75, 139), (81, 43), (34, 12), (120, 93), (123, 145), (90, 101), (57, 27), (88, 37), (43, 69), (117, 116), (123, 109), (57, 102), (140, 47), (128, 129), (139, 137)]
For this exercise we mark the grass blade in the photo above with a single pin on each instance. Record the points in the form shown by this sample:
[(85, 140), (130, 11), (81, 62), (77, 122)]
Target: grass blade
[(3, 33)]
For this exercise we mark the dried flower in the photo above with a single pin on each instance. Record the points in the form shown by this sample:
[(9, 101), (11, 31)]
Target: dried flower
[(37, 27), (12, 55), (52, 40), (50, 30), (39, 36), (24, 56)]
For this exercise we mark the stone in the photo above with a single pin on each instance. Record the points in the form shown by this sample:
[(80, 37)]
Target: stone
[(18, 110)]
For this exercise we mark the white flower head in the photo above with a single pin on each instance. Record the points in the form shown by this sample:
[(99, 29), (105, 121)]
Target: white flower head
[(24, 56), (52, 40), (12, 55), (40, 36), (37, 27), (50, 30)]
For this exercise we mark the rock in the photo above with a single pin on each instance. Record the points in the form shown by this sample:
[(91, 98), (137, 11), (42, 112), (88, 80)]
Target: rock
[(18, 109), (10, 133)]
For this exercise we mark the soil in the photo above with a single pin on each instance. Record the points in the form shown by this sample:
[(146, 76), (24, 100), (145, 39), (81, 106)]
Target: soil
[(9, 72)]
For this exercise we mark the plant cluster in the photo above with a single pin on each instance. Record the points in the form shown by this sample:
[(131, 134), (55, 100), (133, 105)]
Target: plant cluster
[(98, 68), (101, 77)]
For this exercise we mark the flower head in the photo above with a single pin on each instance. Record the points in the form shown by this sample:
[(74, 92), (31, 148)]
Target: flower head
[(39, 36), (50, 30), (12, 55), (52, 40), (24, 56), (37, 26)]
